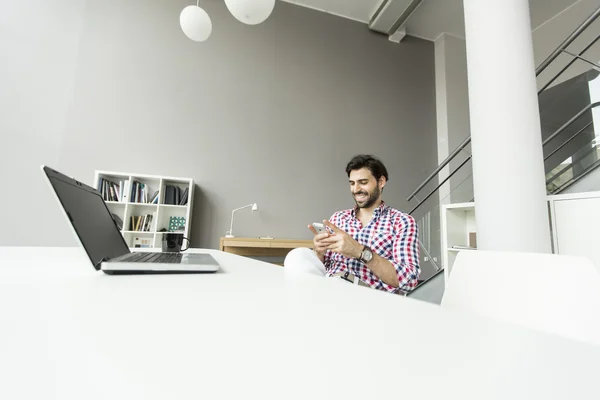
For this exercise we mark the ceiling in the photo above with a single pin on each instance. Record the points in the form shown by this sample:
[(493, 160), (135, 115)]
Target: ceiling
[(431, 17), (358, 10)]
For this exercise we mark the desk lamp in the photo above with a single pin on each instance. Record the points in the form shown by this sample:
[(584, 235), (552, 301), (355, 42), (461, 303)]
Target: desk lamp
[(229, 233)]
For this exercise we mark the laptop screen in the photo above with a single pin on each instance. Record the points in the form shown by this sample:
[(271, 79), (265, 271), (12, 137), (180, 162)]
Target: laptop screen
[(90, 218)]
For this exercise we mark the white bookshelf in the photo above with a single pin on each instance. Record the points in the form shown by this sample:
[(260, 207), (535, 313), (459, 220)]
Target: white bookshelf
[(458, 220), (127, 206)]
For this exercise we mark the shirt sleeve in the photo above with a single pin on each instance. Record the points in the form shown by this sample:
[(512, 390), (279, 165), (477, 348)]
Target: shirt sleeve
[(406, 254), (327, 261)]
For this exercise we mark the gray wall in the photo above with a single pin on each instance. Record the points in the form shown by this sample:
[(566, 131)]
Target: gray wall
[(39, 43), (267, 114)]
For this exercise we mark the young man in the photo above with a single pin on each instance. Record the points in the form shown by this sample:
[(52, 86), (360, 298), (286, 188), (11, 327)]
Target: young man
[(371, 244)]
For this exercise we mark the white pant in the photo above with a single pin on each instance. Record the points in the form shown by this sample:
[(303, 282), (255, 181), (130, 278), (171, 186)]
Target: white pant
[(303, 261)]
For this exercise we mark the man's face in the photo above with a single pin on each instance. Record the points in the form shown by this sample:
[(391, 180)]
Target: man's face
[(364, 187)]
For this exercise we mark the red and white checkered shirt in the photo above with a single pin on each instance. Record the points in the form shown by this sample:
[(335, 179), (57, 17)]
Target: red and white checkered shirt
[(392, 234)]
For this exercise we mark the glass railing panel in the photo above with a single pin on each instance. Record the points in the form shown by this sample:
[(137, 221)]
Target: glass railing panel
[(585, 160), (558, 107), (459, 189), (568, 144)]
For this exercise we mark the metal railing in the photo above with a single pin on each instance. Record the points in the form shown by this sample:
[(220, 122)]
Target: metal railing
[(559, 50), (568, 167), (586, 171), (566, 67), (440, 167), (562, 47), (548, 140)]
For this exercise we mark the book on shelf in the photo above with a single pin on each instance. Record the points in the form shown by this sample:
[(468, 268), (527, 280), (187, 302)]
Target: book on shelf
[(142, 242), (184, 198), (169, 194), (140, 193), (141, 223), (111, 190), (175, 196), (176, 224)]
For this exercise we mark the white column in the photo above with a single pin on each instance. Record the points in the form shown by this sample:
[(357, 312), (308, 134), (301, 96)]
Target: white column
[(508, 168)]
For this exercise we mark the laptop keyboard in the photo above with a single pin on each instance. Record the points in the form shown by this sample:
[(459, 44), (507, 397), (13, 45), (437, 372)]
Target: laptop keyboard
[(163, 258)]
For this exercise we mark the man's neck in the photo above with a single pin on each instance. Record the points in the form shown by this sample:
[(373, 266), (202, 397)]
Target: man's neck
[(365, 214)]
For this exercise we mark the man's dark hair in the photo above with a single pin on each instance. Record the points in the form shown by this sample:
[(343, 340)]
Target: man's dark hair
[(367, 161)]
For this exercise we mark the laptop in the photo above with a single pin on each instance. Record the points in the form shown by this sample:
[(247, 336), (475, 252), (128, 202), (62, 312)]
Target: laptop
[(99, 235)]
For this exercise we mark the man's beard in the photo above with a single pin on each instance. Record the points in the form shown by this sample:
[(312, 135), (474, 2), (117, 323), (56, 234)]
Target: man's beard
[(371, 198)]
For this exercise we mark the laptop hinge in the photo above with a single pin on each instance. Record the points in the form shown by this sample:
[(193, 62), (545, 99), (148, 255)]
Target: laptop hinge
[(99, 263)]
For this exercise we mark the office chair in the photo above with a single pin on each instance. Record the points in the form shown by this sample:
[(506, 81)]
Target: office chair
[(557, 294)]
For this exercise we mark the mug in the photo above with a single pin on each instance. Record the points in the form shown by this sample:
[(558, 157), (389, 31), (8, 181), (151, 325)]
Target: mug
[(172, 242)]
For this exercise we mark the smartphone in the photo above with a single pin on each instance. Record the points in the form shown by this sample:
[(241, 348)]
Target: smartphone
[(319, 227)]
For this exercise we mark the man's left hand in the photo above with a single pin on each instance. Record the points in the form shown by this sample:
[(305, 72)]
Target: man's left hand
[(341, 242)]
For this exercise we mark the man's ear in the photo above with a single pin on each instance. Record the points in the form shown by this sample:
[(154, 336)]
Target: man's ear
[(382, 182)]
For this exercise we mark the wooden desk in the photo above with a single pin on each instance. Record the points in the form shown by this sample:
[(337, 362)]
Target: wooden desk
[(255, 247)]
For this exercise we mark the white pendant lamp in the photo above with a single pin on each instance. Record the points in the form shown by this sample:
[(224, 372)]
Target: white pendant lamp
[(195, 23), (250, 12)]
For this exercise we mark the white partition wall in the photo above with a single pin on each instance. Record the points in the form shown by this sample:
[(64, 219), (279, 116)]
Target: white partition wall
[(574, 219), (576, 225)]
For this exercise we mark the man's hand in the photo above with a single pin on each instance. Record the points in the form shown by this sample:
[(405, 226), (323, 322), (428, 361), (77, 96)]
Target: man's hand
[(320, 246), (341, 242)]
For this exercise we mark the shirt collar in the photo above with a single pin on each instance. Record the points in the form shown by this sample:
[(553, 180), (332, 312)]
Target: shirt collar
[(376, 212)]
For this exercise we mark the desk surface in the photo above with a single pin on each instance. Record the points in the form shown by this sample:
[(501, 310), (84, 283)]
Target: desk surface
[(264, 243), (69, 332), (261, 247), (258, 242)]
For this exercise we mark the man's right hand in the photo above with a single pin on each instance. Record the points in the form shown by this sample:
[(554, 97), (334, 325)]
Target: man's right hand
[(320, 247)]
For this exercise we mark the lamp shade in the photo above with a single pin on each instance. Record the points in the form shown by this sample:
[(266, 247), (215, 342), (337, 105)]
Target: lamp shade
[(250, 12), (195, 23)]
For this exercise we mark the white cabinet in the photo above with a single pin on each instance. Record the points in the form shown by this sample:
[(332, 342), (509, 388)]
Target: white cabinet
[(147, 205), (458, 227), (574, 218)]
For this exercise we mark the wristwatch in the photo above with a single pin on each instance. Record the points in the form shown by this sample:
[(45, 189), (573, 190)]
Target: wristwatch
[(366, 255)]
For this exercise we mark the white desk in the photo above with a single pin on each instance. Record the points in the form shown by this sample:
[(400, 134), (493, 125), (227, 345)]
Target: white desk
[(69, 332)]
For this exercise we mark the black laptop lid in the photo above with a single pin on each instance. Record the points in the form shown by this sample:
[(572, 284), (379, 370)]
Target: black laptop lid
[(90, 218)]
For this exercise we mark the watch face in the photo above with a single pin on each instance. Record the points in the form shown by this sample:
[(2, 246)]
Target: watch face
[(367, 255)]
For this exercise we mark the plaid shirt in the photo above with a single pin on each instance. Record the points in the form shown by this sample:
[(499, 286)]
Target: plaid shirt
[(391, 234)]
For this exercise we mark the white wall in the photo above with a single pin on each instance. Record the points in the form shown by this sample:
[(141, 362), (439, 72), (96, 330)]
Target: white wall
[(39, 42)]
